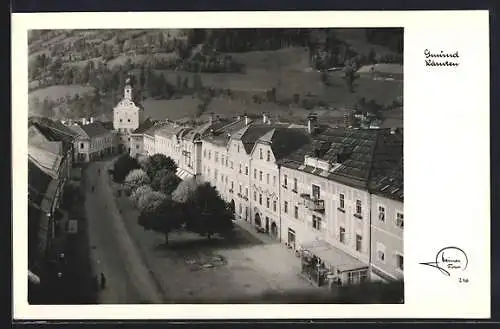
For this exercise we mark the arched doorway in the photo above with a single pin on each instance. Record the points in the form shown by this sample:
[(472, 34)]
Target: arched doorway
[(232, 206), (274, 230), (257, 220)]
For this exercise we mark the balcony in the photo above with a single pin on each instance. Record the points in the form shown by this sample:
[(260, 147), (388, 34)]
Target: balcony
[(313, 203)]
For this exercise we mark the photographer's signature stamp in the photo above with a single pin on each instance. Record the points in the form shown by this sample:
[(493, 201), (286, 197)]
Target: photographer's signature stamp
[(451, 261)]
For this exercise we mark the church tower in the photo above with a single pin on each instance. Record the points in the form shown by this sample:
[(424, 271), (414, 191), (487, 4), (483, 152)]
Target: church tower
[(126, 116)]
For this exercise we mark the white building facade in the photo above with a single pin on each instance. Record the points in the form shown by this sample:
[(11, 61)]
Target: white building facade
[(127, 117)]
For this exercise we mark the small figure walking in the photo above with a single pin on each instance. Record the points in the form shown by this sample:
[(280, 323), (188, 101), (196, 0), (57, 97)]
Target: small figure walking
[(103, 281)]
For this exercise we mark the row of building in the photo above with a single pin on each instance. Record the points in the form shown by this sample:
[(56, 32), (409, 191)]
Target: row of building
[(336, 192)]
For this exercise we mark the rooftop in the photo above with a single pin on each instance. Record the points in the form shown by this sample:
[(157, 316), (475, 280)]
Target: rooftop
[(38, 182), (362, 158), (38, 139), (285, 141), (220, 136), (47, 161), (94, 129), (144, 126)]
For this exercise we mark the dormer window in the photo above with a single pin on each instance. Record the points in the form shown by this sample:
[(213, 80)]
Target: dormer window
[(268, 155), (260, 154)]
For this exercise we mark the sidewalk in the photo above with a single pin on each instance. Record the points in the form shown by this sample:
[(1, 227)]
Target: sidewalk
[(250, 229)]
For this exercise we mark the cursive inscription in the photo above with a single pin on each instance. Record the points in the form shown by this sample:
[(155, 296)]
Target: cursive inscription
[(441, 58), (449, 260)]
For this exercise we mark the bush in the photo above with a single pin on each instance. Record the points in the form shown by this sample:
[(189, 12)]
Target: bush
[(149, 201), (138, 192), (136, 178)]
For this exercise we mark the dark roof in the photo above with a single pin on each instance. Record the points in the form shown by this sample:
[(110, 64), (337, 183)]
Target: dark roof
[(38, 182), (252, 133), (387, 171), (143, 126), (362, 158), (285, 141), (53, 130), (95, 129)]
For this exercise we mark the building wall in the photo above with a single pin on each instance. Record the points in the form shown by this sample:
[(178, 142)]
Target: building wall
[(236, 157), (265, 185), (386, 236), (82, 149), (149, 145), (136, 145)]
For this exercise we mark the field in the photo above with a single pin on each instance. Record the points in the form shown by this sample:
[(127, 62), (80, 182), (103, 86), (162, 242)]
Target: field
[(56, 92), (173, 109)]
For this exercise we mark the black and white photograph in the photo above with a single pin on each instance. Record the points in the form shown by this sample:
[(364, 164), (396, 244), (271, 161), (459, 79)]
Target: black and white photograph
[(231, 165)]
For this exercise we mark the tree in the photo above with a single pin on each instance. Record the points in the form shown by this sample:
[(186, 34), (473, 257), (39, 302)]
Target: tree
[(149, 201), (157, 162), (165, 218), (208, 213), (136, 178), (185, 190), (138, 192), (165, 181), (350, 76), (123, 165)]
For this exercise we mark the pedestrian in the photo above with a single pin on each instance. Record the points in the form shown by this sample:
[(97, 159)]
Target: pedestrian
[(103, 281)]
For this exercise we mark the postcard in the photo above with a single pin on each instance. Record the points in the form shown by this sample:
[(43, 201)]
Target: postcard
[(251, 165)]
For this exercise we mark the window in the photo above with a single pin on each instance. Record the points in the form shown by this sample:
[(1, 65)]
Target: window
[(128, 120), (381, 213), (260, 176), (232, 164), (399, 220), (246, 170), (399, 261), (254, 196), (295, 185), (381, 252), (260, 199), (316, 222), (359, 240), (342, 201), (268, 203), (241, 189), (274, 180), (246, 192), (358, 207), (285, 181), (216, 156), (209, 155), (286, 207), (121, 120), (268, 155), (255, 173), (215, 174), (241, 209), (232, 185), (226, 161), (222, 159), (238, 148), (274, 206), (267, 178), (296, 212), (260, 153), (315, 192), (81, 145), (342, 235), (137, 146), (240, 168)]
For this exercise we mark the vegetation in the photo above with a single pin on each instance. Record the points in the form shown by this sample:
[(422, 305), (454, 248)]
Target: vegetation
[(134, 179), (155, 163), (165, 181), (123, 165)]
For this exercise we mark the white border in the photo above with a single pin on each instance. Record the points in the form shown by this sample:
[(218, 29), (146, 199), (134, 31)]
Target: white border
[(446, 118)]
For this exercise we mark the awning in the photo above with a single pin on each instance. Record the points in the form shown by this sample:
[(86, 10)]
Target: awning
[(335, 257), (183, 174)]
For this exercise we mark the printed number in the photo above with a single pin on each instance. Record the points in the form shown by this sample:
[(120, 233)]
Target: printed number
[(463, 280)]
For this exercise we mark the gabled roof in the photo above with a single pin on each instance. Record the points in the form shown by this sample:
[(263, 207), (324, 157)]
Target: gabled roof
[(36, 138), (168, 130), (222, 135), (250, 134), (91, 130), (47, 161), (284, 141), (156, 126), (54, 130)]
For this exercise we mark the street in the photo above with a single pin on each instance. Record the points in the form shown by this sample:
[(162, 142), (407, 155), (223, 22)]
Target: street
[(113, 252)]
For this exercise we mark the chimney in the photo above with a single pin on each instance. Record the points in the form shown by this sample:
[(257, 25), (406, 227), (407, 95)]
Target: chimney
[(264, 117), (211, 117), (247, 121), (91, 119), (84, 121)]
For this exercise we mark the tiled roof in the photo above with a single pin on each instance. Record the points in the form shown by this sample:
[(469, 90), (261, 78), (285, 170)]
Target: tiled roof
[(47, 161), (145, 125), (95, 129), (222, 135), (156, 126), (168, 130), (250, 134), (362, 158), (38, 182), (387, 171)]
